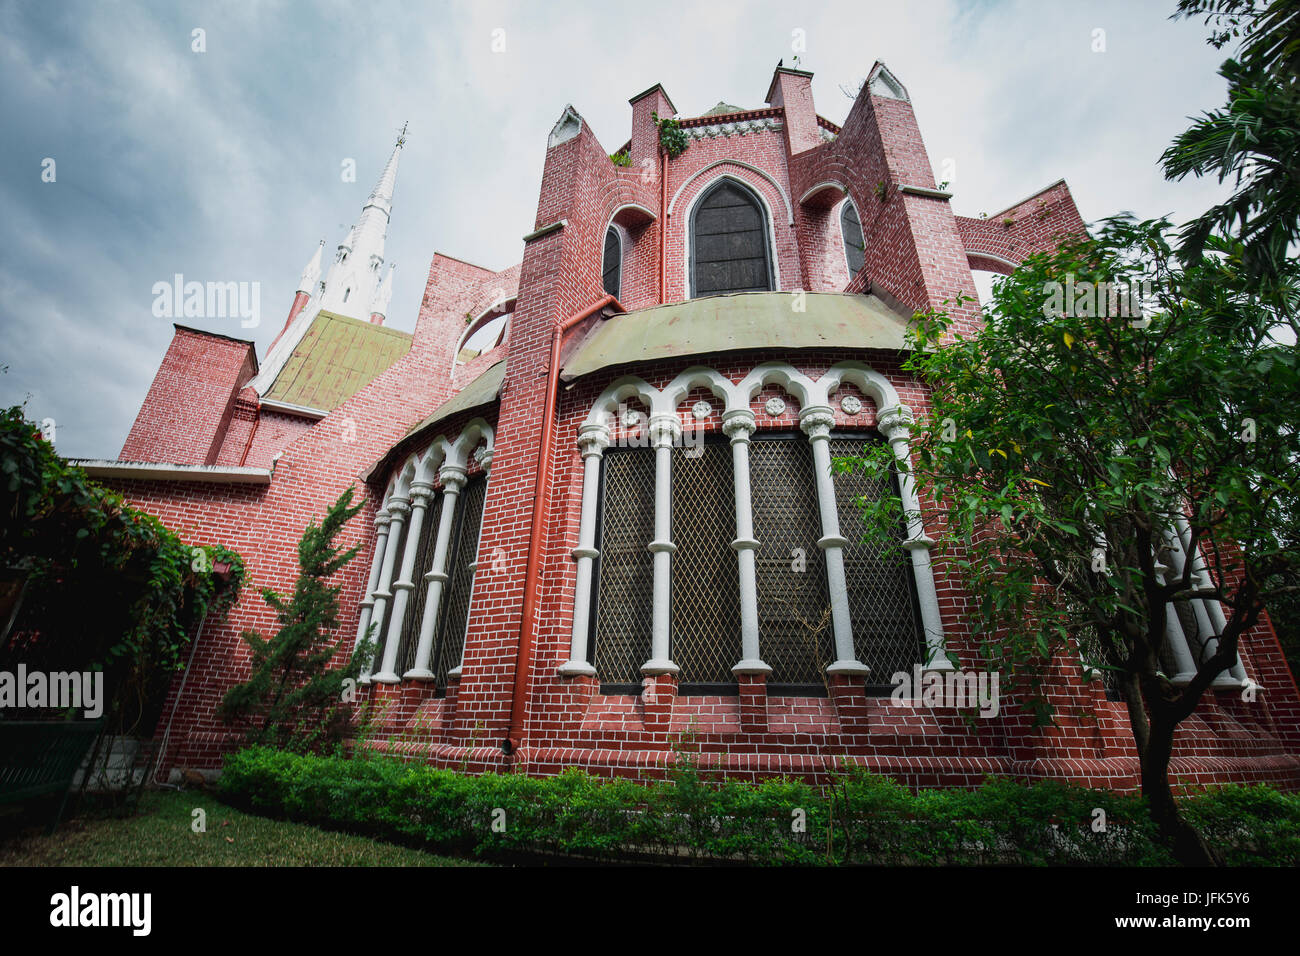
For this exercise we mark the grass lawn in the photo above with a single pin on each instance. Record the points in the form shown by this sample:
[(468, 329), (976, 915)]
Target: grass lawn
[(161, 835)]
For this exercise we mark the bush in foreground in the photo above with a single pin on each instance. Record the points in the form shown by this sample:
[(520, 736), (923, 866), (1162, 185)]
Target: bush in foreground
[(862, 819)]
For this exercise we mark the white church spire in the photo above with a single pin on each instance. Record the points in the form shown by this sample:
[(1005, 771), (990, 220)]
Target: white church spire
[(353, 280), (379, 308), (311, 272), (306, 290)]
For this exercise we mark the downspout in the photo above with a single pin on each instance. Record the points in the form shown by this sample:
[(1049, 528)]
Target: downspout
[(541, 493), (663, 222)]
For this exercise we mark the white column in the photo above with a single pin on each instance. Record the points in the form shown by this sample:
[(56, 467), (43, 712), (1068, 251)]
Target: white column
[(403, 586), (1216, 623), (397, 508), (816, 422), (895, 424), (435, 579), (593, 439), (372, 583), (664, 430), (1176, 638), (484, 458), (738, 425)]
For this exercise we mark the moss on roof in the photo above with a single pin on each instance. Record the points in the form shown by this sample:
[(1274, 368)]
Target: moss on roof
[(723, 108), (336, 358)]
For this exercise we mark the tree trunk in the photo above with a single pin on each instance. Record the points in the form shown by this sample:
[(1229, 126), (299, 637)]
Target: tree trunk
[(1183, 839)]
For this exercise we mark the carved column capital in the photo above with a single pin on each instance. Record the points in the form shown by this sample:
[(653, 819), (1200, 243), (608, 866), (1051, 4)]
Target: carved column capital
[(816, 421), (593, 439), (895, 422), (452, 477), (665, 429), (738, 424)]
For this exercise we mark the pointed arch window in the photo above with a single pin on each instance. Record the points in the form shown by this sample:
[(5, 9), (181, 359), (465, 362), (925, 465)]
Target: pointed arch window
[(851, 231), (729, 247), (612, 263)]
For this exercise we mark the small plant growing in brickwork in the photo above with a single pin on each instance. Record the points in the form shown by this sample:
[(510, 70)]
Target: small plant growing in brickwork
[(671, 135), (881, 191), (621, 159), (294, 698)]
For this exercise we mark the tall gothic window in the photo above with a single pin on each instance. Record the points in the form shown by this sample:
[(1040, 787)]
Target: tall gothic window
[(420, 596), (623, 592), (612, 264), (851, 230), (729, 248), (882, 589), (794, 605), (796, 633), (705, 592), (462, 553)]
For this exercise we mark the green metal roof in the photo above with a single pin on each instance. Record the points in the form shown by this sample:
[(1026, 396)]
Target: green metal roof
[(481, 391), (748, 320), (722, 109), (336, 358)]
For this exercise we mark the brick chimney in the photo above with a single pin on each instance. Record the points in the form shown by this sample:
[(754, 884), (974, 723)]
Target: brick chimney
[(645, 136), (792, 91)]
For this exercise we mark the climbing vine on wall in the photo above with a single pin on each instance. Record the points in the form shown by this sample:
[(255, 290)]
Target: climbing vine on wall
[(671, 135)]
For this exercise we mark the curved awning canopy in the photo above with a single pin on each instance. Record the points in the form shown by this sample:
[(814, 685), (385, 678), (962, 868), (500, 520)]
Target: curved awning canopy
[(482, 391), (748, 320)]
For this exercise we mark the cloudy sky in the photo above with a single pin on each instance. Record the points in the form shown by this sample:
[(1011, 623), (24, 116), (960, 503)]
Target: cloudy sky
[(225, 165)]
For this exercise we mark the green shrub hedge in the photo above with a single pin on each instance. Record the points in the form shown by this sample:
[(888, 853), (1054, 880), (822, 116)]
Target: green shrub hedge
[(862, 819)]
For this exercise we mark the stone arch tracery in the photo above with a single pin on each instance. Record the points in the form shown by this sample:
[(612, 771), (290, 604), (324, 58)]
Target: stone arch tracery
[(444, 463), (817, 421)]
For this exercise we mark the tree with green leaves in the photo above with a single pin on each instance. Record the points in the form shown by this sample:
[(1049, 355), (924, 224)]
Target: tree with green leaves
[(1253, 141), (295, 697), (1082, 447)]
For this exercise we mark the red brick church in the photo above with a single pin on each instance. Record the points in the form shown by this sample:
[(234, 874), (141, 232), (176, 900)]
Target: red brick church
[(600, 516)]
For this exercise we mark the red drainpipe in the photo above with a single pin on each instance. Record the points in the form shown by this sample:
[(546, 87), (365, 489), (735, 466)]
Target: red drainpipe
[(524, 655), (663, 221)]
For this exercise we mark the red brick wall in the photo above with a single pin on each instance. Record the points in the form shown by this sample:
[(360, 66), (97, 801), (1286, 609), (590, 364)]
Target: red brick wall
[(1035, 225), (916, 250), (191, 401)]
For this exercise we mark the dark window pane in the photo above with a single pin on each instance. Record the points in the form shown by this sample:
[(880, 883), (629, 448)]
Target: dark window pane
[(729, 242), (886, 632), (854, 244), (612, 268), (462, 550), (794, 608), (706, 587), (416, 602), (625, 568)]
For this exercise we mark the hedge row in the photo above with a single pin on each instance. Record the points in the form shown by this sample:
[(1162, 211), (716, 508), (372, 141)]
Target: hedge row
[(863, 819)]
